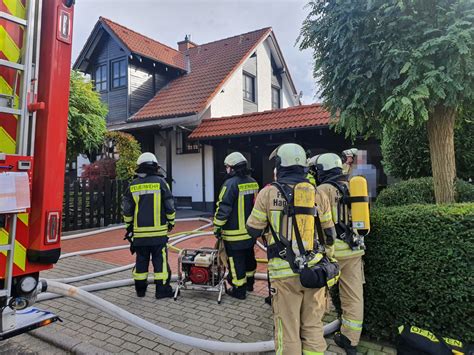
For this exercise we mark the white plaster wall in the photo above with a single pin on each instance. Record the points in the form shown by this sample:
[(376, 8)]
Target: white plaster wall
[(229, 100), (287, 95), (264, 77), (160, 148), (209, 168)]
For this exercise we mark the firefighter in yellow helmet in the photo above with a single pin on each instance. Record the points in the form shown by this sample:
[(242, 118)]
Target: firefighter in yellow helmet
[(331, 181), (297, 310), (148, 211), (234, 205)]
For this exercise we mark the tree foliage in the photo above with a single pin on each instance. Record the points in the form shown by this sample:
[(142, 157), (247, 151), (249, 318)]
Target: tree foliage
[(128, 150), (86, 121), (396, 62), (406, 155), (386, 61)]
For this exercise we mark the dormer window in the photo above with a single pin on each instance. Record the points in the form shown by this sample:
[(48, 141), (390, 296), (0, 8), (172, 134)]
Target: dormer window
[(119, 73), (101, 78)]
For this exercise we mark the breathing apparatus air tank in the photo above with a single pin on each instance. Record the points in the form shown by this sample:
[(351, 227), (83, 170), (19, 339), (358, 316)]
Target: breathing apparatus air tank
[(359, 199)]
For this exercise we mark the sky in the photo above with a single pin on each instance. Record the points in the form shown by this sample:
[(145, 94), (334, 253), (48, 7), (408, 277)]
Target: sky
[(168, 21)]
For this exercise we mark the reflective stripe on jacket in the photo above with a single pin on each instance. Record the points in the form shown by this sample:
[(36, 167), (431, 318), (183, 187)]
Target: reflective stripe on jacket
[(234, 206), (148, 205)]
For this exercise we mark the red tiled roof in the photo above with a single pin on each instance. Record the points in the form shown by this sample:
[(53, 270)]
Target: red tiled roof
[(211, 64), (145, 46), (261, 122)]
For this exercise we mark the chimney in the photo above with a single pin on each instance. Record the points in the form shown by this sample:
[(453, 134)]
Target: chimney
[(186, 44)]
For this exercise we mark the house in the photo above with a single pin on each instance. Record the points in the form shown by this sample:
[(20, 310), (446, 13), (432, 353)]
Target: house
[(161, 94)]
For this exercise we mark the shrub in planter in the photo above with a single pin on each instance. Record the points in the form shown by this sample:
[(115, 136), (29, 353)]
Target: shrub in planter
[(418, 270), (420, 190)]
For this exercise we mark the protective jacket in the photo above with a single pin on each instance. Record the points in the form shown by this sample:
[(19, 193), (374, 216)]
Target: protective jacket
[(234, 206), (268, 209), (342, 248), (148, 205)]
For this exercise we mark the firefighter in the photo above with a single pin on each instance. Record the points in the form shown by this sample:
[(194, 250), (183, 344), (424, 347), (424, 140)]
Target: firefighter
[(234, 205), (311, 176), (330, 171), (149, 213), (348, 159), (297, 311)]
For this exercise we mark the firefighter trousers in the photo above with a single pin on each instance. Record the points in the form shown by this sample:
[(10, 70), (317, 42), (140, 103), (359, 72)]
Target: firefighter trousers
[(242, 266), (351, 294), (298, 317), (159, 259)]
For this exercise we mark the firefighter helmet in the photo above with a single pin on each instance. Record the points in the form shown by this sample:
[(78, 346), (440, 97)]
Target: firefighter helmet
[(147, 158), (289, 154), (312, 161), (327, 161), (235, 159), (350, 152)]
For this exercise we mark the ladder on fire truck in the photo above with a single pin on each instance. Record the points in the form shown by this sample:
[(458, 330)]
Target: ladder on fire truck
[(26, 70)]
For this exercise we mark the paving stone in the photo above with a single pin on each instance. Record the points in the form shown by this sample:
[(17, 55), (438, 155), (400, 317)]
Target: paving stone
[(370, 345), (162, 349), (131, 346), (375, 352), (116, 332), (100, 336), (389, 350), (114, 340), (147, 343), (182, 347), (101, 328)]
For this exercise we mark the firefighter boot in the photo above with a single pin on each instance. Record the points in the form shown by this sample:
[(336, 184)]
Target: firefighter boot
[(343, 342), (163, 291), (140, 287), (237, 292), (250, 282)]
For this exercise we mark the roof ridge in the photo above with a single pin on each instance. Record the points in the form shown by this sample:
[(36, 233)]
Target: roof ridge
[(259, 113), (241, 34), (138, 33)]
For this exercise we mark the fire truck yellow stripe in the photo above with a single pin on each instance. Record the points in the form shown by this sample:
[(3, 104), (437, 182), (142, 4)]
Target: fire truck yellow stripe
[(24, 217), (7, 143), (19, 253), (8, 46), (6, 89), (16, 8)]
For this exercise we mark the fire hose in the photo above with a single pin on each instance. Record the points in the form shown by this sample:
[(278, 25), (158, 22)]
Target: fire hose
[(82, 294)]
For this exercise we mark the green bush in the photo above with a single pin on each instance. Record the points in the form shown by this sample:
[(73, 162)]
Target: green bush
[(419, 271), (406, 152), (420, 190)]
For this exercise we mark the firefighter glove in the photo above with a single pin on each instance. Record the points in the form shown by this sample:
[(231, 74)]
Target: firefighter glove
[(218, 232), (170, 226)]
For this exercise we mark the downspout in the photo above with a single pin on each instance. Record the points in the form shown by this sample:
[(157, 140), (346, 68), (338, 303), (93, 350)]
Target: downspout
[(203, 164)]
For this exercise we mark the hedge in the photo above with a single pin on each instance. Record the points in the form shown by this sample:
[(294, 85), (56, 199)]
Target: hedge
[(420, 190), (419, 270)]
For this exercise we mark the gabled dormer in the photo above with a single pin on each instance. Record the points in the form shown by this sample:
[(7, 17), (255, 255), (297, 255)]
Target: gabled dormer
[(127, 68)]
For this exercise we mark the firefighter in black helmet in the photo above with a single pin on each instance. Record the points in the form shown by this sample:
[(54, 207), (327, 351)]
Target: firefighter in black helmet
[(149, 213), (234, 206)]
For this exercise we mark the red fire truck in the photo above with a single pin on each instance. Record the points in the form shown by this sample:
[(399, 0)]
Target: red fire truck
[(35, 63)]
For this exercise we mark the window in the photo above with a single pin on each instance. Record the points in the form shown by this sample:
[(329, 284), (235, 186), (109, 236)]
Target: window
[(249, 87), (119, 73), (101, 78), (275, 97), (183, 145)]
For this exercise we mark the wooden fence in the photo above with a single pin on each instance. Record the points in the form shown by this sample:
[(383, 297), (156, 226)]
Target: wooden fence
[(91, 204)]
